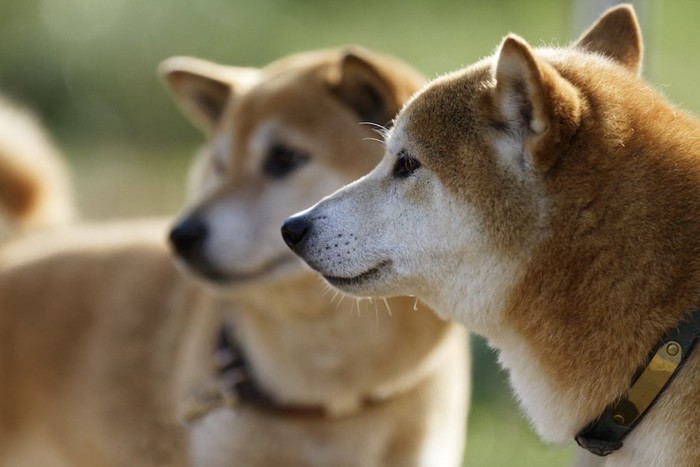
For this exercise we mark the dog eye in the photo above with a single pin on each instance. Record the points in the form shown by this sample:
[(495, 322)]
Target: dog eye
[(282, 160), (405, 165)]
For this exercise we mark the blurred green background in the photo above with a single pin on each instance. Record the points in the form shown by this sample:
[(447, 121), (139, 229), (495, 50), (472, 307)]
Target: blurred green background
[(88, 68)]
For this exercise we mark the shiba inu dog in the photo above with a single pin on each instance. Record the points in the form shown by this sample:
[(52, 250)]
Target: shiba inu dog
[(103, 344), (548, 199), (383, 390), (34, 187)]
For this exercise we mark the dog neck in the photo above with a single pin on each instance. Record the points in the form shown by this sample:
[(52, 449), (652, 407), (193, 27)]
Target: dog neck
[(319, 357), (606, 434), (239, 386), (617, 272)]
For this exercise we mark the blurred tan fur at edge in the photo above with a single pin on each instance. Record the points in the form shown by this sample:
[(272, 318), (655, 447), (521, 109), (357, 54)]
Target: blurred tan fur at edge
[(34, 186), (104, 344)]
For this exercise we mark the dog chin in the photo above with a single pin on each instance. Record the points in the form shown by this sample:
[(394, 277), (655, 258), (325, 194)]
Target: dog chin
[(372, 282), (218, 277)]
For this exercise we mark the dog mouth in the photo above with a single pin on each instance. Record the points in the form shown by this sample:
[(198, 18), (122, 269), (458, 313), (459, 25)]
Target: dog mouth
[(221, 277), (371, 275)]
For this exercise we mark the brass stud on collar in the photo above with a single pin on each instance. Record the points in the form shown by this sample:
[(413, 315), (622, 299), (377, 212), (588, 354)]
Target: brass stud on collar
[(672, 348), (619, 419)]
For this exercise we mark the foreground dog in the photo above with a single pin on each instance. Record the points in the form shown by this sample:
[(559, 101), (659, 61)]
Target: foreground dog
[(101, 340), (34, 188), (550, 200), (342, 383)]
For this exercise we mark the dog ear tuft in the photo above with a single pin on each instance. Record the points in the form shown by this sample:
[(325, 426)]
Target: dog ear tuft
[(361, 85), (519, 85), (538, 108), (201, 88), (616, 35)]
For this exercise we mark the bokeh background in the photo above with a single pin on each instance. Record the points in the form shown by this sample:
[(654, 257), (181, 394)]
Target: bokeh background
[(88, 68)]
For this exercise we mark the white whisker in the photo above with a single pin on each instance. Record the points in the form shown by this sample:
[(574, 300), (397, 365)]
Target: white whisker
[(376, 315), (376, 126), (386, 304), (340, 300), (376, 312), (380, 141), (379, 129)]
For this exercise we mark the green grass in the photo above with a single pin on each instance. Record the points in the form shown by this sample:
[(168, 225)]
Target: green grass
[(499, 436)]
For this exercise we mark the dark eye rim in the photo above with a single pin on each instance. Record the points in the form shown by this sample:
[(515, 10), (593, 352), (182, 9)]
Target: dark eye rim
[(281, 160), (405, 165)]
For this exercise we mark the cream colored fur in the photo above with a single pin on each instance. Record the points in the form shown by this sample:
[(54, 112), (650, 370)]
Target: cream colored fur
[(306, 345), (104, 344), (97, 327)]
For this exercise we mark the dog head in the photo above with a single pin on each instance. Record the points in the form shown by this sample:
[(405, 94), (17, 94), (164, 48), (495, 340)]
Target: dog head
[(278, 138), (463, 194)]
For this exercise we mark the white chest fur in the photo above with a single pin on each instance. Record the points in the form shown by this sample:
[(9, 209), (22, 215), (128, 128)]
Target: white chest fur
[(553, 413)]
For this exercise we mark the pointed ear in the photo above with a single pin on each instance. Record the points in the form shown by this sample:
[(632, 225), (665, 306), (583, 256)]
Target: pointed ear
[(538, 109), (361, 85), (201, 88), (616, 35)]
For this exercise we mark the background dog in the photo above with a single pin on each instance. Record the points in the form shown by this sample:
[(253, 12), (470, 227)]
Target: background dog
[(102, 339), (548, 199), (280, 137)]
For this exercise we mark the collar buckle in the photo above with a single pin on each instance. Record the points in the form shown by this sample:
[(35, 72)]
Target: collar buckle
[(606, 434)]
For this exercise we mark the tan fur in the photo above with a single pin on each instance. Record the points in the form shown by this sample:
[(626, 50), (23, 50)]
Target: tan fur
[(34, 189), (569, 192), (101, 340), (95, 324), (306, 346)]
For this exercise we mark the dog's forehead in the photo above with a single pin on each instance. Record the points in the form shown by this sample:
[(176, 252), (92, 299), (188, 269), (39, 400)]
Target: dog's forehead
[(293, 94), (296, 107), (443, 115), (284, 103)]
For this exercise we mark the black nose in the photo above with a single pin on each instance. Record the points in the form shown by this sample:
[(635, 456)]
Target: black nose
[(294, 230), (188, 237)]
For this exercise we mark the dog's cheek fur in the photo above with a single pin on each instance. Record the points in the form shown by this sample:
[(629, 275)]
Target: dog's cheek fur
[(482, 213), (244, 216), (232, 227), (508, 205), (409, 216)]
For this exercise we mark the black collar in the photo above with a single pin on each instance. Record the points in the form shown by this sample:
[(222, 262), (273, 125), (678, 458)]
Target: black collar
[(605, 434), (239, 382), (240, 386)]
